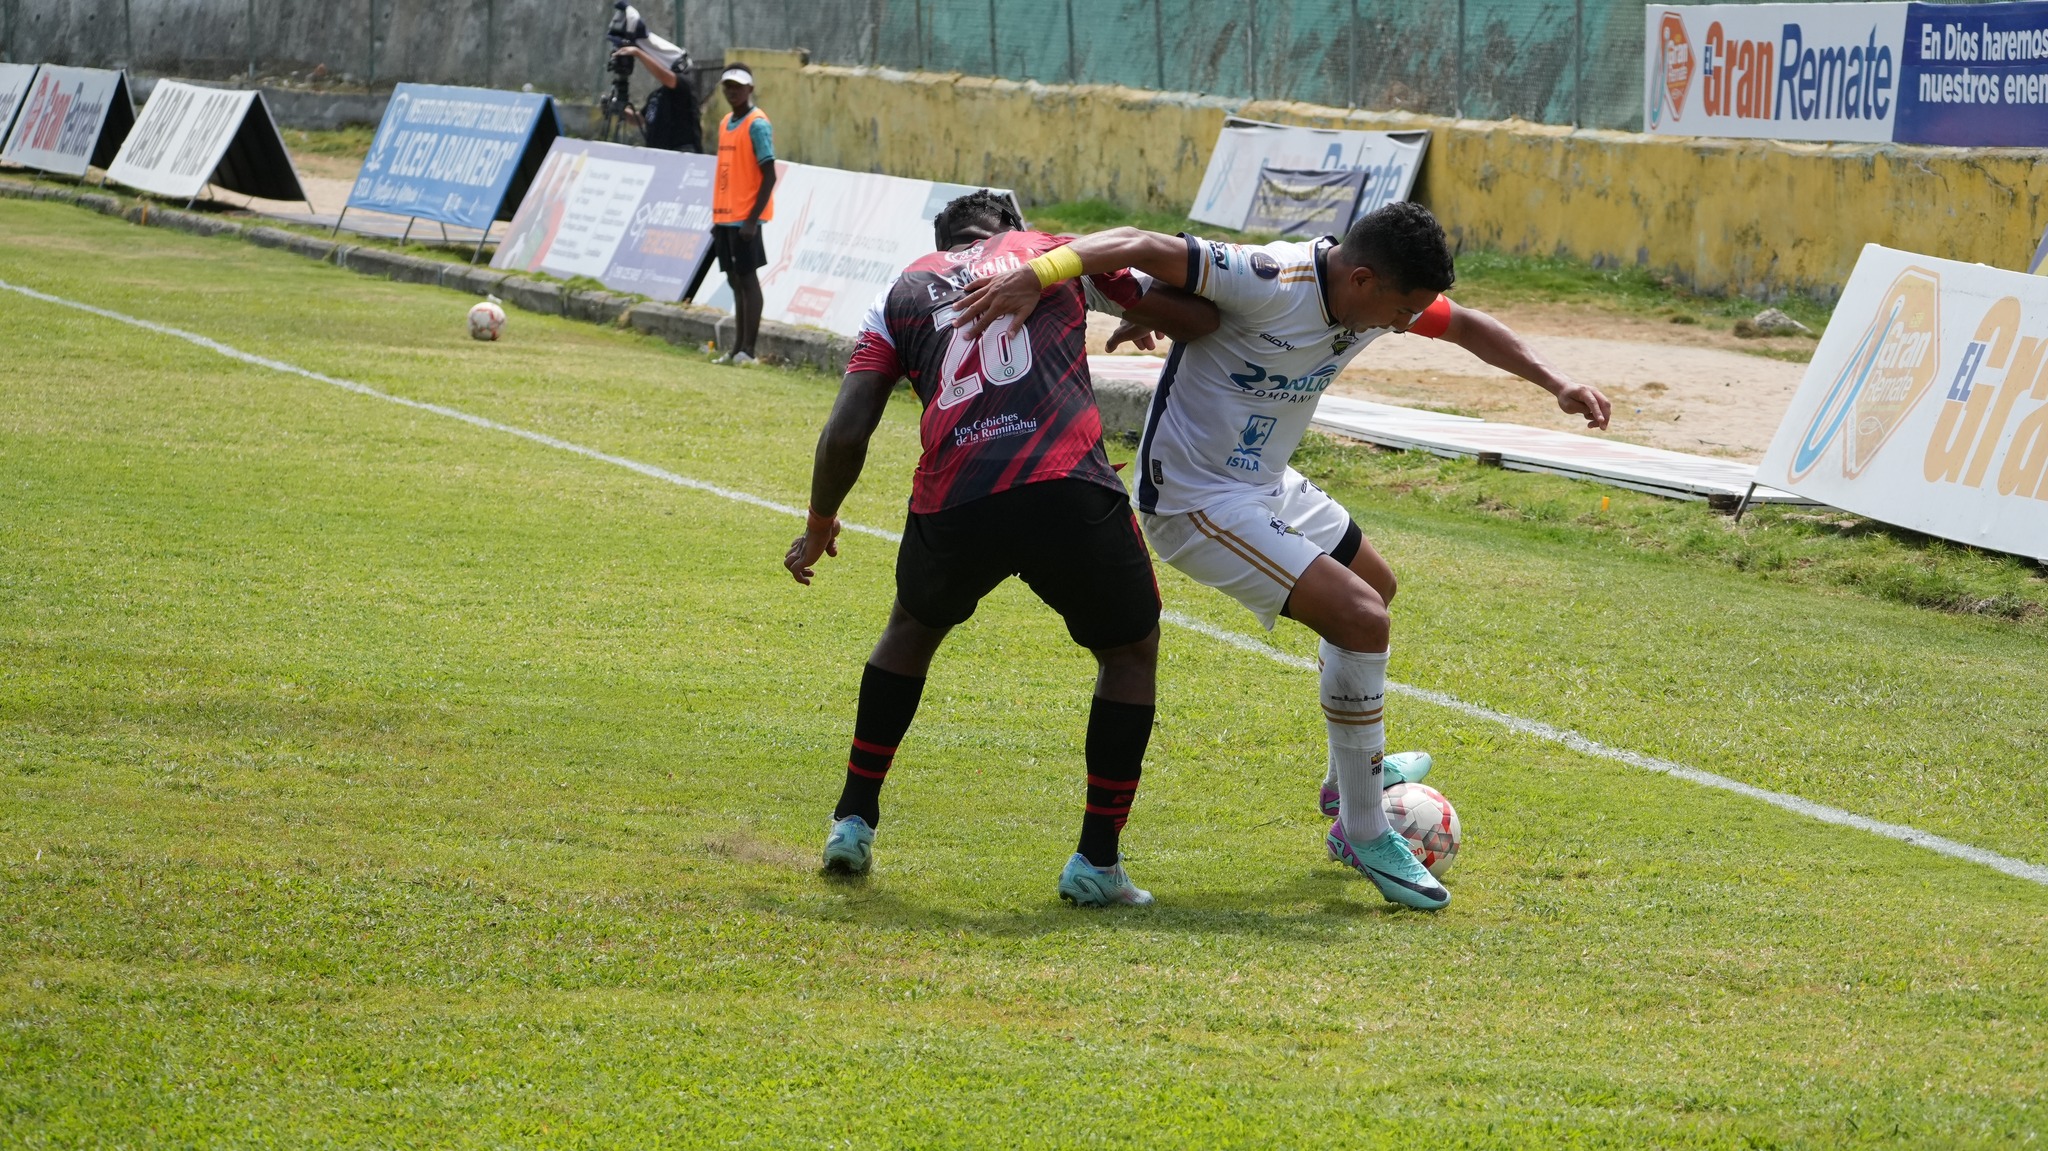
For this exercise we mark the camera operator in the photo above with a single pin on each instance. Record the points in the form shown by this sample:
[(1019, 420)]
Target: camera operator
[(670, 116)]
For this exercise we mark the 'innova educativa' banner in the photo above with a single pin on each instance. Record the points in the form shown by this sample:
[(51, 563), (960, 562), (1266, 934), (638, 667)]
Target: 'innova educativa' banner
[(1910, 73), (1926, 404)]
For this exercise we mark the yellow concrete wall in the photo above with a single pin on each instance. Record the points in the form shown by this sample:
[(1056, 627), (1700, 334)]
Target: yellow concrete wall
[(1742, 215)]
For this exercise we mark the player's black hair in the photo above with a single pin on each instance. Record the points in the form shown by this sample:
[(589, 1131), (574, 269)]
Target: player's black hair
[(993, 211), (1404, 243)]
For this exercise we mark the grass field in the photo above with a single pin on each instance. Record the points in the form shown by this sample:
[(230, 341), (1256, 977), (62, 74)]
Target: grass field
[(370, 778)]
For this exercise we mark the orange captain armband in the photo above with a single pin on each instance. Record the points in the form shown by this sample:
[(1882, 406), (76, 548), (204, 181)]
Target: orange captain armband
[(1434, 320)]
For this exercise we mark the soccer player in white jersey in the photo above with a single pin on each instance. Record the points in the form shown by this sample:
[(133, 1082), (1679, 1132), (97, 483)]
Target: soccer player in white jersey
[(1215, 492)]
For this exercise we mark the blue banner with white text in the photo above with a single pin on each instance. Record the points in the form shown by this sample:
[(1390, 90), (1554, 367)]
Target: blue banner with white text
[(1974, 74), (456, 155)]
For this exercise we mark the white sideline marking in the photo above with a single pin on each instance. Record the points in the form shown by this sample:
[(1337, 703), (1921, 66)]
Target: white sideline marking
[(2017, 868)]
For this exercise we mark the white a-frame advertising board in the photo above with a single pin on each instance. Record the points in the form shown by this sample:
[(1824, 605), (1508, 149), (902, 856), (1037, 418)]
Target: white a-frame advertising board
[(189, 137), (72, 119), (14, 81)]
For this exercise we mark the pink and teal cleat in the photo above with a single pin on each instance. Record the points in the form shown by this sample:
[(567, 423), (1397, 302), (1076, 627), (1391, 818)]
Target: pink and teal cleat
[(1400, 767), (1391, 865)]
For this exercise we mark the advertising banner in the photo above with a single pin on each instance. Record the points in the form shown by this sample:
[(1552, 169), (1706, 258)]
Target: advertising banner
[(1779, 71), (1305, 203), (73, 119), (837, 240), (1390, 160), (1972, 75), (14, 80), (458, 155), (1926, 404), (634, 219), (1978, 74), (189, 136)]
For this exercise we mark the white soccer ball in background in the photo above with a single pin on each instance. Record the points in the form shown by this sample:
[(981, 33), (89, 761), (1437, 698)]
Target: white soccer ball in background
[(1427, 821), (486, 320)]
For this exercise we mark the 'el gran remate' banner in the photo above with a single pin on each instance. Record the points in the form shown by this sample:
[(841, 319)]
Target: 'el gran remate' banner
[(634, 219), (1926, 404), (1961, 74), (73, 119), (457, 155)]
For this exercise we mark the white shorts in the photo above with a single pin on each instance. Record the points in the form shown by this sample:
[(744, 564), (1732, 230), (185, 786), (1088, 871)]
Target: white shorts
[(1253, 546)]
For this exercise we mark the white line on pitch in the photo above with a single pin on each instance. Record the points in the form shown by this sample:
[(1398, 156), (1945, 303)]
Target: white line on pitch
[(2017, 868)]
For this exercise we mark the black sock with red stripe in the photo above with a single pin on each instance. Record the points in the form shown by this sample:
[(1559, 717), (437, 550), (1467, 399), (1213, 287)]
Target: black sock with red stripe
[(1117, 735), (888, 702)]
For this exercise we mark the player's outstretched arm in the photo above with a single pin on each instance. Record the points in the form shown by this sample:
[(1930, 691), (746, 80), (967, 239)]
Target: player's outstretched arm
[(1497, 344), (1016, 292), (842, 452)]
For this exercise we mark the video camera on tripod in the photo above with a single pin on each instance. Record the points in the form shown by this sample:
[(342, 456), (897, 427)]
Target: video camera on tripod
[(628, 30)]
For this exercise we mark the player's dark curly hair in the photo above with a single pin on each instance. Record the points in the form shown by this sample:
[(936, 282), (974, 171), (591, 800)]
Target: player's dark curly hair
[(993, 211), (1403, 242)]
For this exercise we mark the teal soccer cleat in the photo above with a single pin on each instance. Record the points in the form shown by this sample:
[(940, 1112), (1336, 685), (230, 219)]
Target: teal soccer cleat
[(1086, 885), (1391, 865), (850, 848), (1400, 767)]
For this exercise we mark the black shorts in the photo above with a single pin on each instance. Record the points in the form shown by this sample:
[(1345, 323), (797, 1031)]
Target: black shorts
[(732, 251), (1074, 542)]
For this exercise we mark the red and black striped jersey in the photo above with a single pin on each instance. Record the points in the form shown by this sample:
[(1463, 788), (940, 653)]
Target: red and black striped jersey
[(1012, 407)]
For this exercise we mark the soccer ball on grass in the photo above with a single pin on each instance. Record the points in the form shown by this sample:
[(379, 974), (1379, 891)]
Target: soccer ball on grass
[(486, 320), (1427, 821)]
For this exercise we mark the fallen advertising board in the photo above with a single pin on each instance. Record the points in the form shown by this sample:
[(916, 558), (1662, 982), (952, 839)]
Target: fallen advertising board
[(188, 137), (634, 219), (458, 155), (1231, 182), (1926, 404), (1909, 73), (837, 240), (73, 119), (1306, 203), (14, 81)]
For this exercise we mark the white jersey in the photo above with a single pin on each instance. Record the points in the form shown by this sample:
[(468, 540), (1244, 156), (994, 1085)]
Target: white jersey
[(1231, 407)]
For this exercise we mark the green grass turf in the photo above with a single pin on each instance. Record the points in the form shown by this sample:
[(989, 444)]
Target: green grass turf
[(371, 779)]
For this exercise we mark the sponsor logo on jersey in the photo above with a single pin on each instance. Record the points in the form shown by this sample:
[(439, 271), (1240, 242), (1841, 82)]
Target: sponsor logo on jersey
[(1891, 369), (1264, 267), (1276, 341), (1251, 444), (1283, 528), (1342, 341), (1258, 383)]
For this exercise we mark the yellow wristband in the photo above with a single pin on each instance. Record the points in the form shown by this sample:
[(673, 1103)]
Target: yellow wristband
[(1062, 263)]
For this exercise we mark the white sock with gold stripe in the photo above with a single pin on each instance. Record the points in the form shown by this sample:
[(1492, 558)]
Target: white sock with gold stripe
[(1354, 692)]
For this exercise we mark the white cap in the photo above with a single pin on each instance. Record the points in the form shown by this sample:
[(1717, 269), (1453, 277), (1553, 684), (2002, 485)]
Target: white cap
[(737, 76)]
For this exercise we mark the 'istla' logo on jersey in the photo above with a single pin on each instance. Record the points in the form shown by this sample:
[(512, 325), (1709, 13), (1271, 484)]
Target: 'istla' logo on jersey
[(1251, 443)]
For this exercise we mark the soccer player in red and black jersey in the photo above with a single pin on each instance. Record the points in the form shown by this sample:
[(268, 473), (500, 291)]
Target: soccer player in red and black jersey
[(1013, 481)]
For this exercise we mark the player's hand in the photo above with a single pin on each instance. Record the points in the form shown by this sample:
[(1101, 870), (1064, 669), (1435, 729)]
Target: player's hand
[(820, 538), (1011, 293), (749, 229), (1137, 335), (1581, 400)]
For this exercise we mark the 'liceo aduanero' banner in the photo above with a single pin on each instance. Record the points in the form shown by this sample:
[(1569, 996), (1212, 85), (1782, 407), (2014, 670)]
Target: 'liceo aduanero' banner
[(1926, 404), (1911, 73), (458, 155)]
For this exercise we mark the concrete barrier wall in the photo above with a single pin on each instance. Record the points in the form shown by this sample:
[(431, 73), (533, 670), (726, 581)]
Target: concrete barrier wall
[(1755, 217)]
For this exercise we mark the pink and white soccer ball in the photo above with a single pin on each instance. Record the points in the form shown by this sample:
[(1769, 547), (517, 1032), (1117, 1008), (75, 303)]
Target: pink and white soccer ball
[(1427, 821), (486, 320)]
